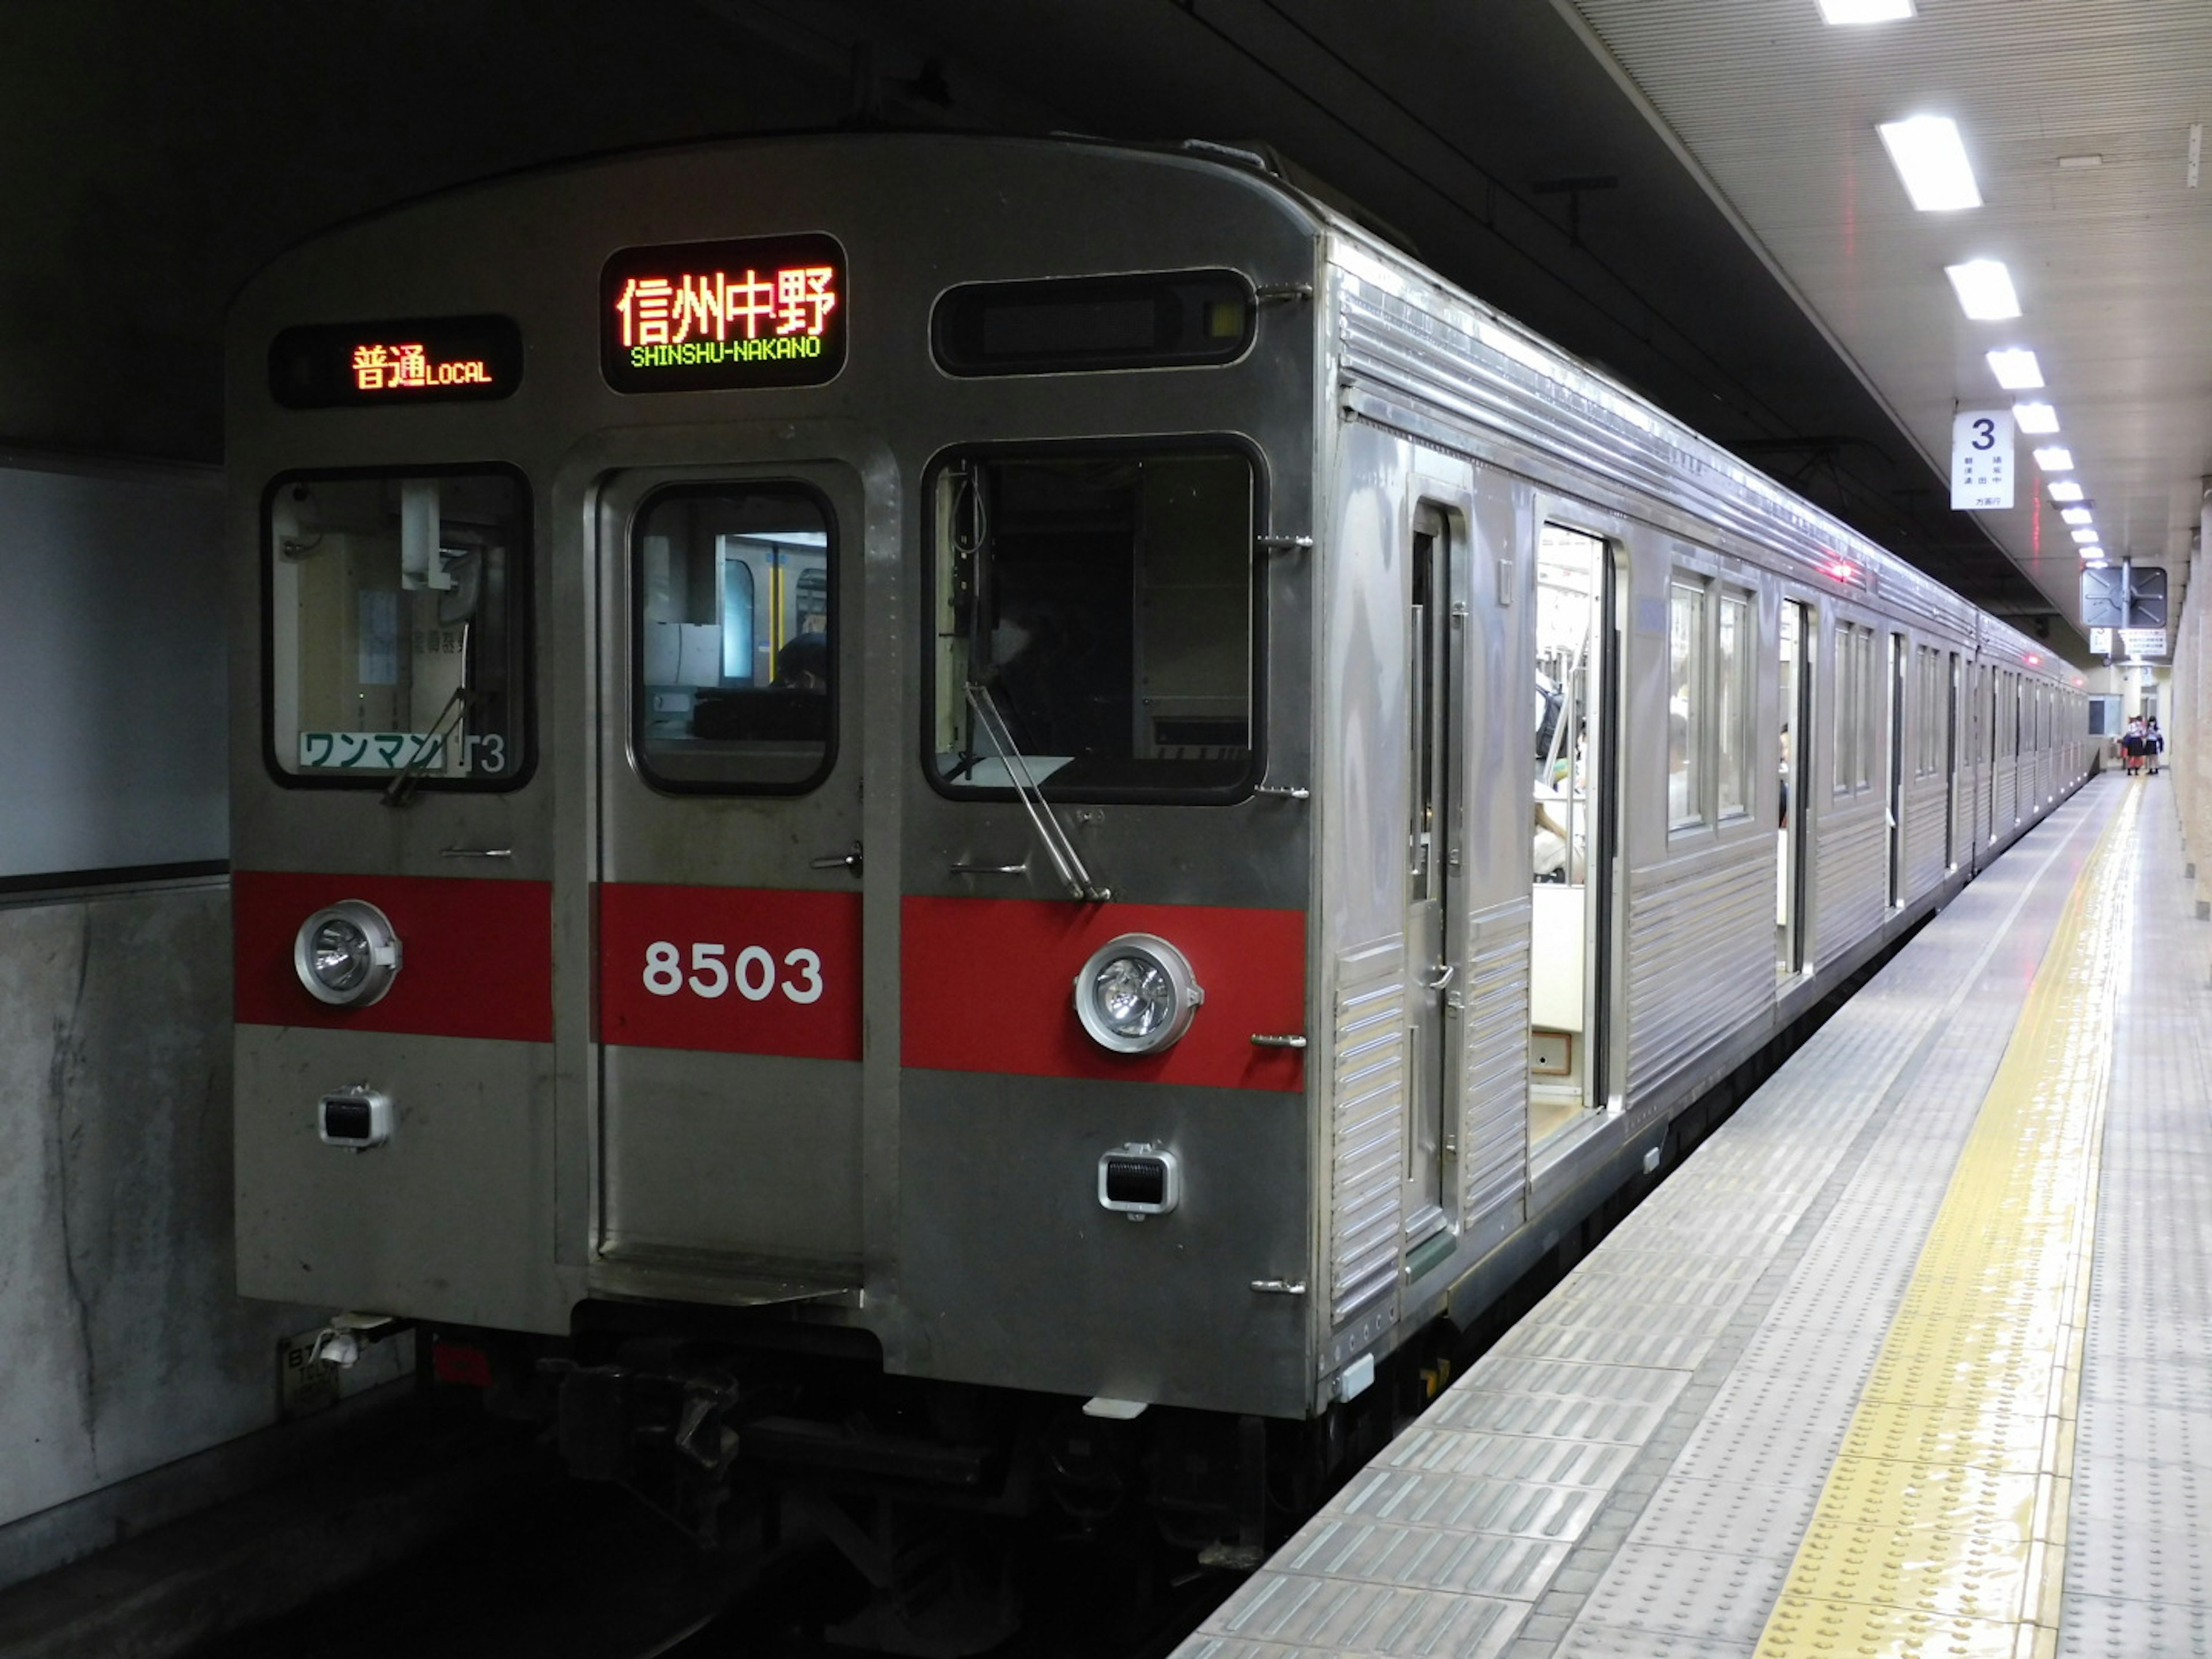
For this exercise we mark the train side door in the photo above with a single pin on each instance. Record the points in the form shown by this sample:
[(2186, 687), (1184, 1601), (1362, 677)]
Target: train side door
[(1436, 663), (1574, 830), (729, 1130), (1797, 634), (1953, 693), (1899, 689)]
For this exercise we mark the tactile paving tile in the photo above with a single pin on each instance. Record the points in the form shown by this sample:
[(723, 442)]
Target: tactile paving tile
[(1858, 1627), (1624, 1385), (1421, 1557), (2100, 1627), (1956, 1496), (1768, 1437), (1589, 1641), (1974, 1575), (1687, 1592), (1536, 1415), (2176, 1385), (1735, 1516), (1601, 1346), (1275, 1611), (2152, 1560), (1507, 1457), (2148, 1434), (1530, 1509), (2137, 1580)]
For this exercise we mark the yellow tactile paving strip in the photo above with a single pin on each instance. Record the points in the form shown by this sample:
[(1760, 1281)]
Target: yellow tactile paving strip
[(1941, 1530)]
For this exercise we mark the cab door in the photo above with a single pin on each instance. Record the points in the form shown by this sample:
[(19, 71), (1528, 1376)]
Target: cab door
[(730, 869)]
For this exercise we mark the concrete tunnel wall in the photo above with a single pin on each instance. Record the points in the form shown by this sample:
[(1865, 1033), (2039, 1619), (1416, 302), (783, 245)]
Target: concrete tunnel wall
[(123, 1344)]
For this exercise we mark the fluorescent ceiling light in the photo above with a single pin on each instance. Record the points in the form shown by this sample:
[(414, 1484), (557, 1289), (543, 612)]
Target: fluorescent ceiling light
[(2056, 458), (2093, 564), (1865, 11), (2037, 418), (2016, 369), (2086, 539), (2065, 490), (1985, 289), (2075, 163), (1931, 160), (2075, 515)]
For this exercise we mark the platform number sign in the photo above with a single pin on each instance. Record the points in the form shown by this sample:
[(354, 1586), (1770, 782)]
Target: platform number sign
[(1981, 460)]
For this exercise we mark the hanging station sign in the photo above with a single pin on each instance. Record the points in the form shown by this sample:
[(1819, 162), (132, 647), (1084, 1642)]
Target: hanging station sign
[(415, 360), (766, 310), (1981, 460)]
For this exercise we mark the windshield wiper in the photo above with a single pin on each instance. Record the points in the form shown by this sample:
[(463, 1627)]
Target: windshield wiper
[(1057, 847), (401, 789)]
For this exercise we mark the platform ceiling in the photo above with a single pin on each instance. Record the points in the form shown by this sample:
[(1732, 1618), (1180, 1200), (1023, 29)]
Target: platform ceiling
[(1736, 247)]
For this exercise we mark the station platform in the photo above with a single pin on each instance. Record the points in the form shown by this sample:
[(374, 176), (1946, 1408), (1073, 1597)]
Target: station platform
[(1913, 1357)]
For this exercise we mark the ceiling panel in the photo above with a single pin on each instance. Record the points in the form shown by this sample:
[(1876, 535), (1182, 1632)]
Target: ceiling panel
[(1778, 111)]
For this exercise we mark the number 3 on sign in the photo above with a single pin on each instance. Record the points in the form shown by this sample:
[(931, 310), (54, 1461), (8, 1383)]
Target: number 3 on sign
[(753, 973)]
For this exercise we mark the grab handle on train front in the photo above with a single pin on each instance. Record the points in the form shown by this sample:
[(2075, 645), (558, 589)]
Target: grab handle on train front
[(839, 860)]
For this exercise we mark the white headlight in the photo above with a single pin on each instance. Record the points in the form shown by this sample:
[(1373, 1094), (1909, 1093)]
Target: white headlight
[(1136, 994), (346, 955)]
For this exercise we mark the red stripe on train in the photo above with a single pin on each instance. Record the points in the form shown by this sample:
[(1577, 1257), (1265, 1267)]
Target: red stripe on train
[(477, 955), (733, 971), (987, 986)]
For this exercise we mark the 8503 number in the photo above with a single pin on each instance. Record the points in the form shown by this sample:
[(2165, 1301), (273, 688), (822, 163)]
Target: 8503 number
[(752, 973)]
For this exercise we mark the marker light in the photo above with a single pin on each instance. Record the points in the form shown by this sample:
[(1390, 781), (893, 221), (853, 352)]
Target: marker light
[(1841, 571), (2037, 418), (2016, 369), (1864, 11), (1985, 289), (1931, 158), (346, 955), (2054, 458), (2076, 515), (2086, 539), (1136, 995), (2065, 490)]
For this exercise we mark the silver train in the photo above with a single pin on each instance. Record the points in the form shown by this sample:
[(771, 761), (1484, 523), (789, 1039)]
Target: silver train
[(905, 804)]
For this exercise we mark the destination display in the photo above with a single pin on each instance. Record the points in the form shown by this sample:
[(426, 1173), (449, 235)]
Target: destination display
[(764, 311), (418, 360)]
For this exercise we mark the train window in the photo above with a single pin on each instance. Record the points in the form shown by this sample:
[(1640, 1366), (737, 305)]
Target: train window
[(1069, 325), (1732, 706), (734, 678), (1869, 686), (1686, 674), (1846, 703), (1103, 602), (1931, 711), (399, 618)]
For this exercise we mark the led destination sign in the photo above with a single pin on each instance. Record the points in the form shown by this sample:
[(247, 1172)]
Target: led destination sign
[(413, 361), (767, 311)]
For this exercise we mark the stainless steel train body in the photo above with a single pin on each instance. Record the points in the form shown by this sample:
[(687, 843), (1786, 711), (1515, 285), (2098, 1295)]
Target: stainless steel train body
[(709, 996)]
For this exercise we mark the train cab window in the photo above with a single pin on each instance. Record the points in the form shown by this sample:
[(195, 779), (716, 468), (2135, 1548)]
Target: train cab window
[(734, 678), (1686, 704), (1101, 605), (398, 618)]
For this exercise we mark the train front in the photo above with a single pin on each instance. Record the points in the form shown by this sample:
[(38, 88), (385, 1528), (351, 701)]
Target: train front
[(772, 714)]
